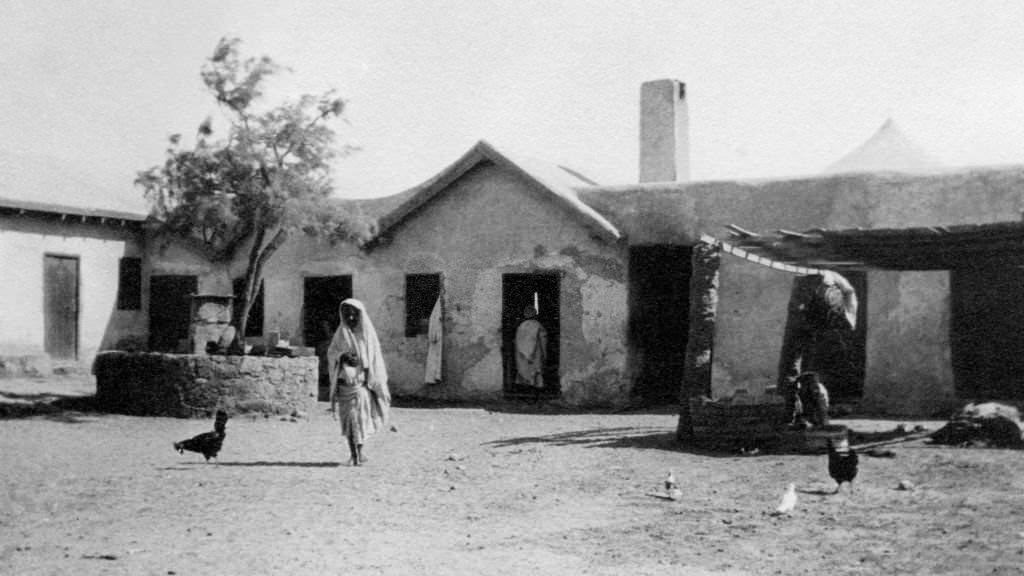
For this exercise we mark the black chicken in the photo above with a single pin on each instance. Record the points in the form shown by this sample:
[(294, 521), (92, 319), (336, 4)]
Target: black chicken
[(842, 463), (208, 443)]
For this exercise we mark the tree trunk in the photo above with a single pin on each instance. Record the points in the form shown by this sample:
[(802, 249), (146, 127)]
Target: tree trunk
[(258, 257)]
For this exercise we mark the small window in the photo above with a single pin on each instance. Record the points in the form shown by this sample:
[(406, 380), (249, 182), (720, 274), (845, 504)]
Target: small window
[(129, 284), (421, 293), (254, 327)]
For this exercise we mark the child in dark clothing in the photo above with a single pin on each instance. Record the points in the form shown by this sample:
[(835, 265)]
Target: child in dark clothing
[(811, 401)]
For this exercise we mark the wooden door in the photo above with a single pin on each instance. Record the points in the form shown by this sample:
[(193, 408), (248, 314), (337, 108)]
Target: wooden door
[(60, 288)]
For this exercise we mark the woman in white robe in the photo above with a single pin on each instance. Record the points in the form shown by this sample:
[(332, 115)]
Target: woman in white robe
[(361, 392)]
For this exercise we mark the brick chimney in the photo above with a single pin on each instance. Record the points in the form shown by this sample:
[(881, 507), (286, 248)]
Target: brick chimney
[(664, 132)]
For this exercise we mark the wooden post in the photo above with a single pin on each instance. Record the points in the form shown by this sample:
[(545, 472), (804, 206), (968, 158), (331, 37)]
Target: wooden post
[(701, 340)]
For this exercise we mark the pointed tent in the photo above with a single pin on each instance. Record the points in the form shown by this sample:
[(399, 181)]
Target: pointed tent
[(888, 150)]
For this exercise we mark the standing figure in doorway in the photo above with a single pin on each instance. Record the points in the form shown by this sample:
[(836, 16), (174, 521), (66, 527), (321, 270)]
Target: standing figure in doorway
[(360, 392), (531, 352)]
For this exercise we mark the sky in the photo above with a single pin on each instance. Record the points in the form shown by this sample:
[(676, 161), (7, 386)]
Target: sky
[(775, 88)]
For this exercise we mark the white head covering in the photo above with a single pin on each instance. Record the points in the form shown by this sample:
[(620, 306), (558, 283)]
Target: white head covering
[(364, 343)]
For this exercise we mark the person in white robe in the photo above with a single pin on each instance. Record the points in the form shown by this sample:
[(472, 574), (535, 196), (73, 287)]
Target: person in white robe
[(359, 378), (531, 351)]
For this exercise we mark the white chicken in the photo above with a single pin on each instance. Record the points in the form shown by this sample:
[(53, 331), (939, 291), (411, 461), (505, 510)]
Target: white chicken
[(672, 487), (788, 502)]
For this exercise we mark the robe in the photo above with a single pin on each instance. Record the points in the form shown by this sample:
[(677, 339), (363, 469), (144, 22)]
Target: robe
[(435, 338), (371, 374), (531, 352)]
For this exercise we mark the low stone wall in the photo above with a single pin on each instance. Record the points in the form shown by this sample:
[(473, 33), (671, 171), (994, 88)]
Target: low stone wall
[(153, 384)]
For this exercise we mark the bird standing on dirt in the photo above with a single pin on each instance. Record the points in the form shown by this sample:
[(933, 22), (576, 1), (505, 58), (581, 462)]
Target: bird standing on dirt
[(208, 443), (842, 463), (788, 502), (672, 487)]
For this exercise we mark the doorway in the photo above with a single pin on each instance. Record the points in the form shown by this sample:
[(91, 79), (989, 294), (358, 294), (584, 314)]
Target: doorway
[(170, 310), (540, 290), (60, 294), (659, 319), (321, 298), (985, 334)]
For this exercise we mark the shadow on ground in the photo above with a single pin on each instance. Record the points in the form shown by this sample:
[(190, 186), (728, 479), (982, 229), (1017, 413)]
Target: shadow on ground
[(69, 409), (255, 464), (264, 463), (637, 438)]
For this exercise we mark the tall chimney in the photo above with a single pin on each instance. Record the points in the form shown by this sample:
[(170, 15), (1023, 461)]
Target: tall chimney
[(664, 132)]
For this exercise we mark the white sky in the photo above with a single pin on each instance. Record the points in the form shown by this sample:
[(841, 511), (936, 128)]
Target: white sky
[(776, 88)]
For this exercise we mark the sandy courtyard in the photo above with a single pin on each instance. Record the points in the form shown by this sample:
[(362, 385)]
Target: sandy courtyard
[(478, 491)]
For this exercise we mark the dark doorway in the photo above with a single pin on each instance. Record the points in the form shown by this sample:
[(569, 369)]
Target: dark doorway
[(659, 319), (986, 336), (321, 298), (170, 310), (540, 290), (60, 289)]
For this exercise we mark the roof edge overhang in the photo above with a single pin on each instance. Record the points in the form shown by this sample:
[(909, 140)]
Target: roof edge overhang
[(96, 215), (922, 248)]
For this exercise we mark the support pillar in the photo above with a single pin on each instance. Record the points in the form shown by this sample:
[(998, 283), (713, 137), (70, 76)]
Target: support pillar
[(701, 340)]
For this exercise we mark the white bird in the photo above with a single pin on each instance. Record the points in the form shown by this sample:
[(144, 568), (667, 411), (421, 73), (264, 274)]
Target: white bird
[(788, 501), (670, 482)]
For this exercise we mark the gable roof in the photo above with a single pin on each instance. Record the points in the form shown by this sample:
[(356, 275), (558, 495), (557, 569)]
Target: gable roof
[(559, 182), (888, 150)]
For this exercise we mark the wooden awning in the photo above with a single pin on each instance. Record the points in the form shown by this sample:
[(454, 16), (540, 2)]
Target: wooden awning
[(999, 244)]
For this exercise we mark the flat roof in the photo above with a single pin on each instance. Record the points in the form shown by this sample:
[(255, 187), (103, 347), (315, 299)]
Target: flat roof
[(996, 244)]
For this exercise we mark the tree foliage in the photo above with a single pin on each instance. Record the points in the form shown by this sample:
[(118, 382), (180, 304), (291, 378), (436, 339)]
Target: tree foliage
[(265, 179)]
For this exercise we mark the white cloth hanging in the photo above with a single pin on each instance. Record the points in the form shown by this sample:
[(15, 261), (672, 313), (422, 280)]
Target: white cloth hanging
[(435, 339)]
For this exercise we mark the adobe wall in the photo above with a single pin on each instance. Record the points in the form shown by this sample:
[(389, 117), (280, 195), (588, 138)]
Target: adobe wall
[(24, 241), (909, 360), (909, 367), (488, 223), (167, 256)]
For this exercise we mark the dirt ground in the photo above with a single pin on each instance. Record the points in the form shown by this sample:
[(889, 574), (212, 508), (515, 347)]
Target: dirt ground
[(479, 491)]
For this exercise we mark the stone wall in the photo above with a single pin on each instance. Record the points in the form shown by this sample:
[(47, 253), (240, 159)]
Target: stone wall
[(153, 384)]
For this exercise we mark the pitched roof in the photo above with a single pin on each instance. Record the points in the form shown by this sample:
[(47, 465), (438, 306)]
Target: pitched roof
[(888, 150), (560, 182)]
